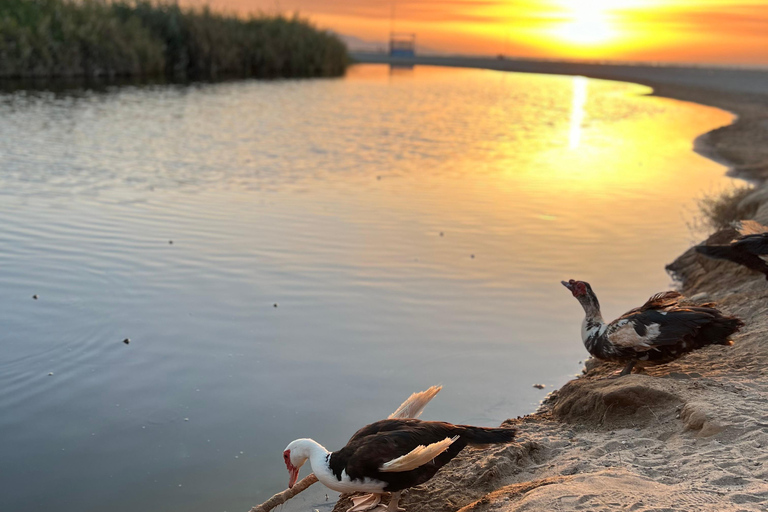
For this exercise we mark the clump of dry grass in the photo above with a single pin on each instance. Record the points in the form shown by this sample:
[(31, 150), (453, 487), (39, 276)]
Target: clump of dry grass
[(719, 210)]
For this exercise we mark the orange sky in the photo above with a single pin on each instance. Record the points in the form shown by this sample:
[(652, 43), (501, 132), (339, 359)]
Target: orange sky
[(717, 31)]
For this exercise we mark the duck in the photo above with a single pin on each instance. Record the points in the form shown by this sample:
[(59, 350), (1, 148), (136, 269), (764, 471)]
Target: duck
[(658, 332), (749, 249), (389, 455)]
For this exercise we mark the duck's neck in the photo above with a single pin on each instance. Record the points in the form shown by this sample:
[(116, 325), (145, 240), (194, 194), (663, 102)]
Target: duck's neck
[(593, 319), (318, 457)]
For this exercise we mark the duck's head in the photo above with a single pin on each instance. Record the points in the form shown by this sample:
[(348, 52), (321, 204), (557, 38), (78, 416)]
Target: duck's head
[(295, 455), (584, 294), (578, 288)]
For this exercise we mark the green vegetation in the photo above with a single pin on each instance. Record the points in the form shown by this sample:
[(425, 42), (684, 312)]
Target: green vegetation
[(720, 210), (52, 38)]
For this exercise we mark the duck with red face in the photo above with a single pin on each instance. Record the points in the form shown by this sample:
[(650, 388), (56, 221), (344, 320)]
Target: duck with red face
[(658, 332), (293, 471), (389, 455)]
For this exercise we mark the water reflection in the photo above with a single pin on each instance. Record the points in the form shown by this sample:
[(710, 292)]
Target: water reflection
[(577, 110), (412, 230)]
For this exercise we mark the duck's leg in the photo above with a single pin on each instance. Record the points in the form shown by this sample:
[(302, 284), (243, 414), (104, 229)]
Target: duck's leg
[(393, 503), (364, 503), (628, 369)]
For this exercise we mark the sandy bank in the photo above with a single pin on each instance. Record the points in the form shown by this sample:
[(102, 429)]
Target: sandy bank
[(687, 436)]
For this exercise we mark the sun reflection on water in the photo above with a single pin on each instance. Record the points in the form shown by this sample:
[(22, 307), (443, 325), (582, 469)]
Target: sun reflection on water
[(577, 110)]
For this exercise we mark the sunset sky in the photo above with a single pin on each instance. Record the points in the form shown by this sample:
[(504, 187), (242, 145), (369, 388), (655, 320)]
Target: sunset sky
[(717, 31)]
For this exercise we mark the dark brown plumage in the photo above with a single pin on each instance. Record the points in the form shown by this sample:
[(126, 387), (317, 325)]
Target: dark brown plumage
[(749, 250), (375, 444)]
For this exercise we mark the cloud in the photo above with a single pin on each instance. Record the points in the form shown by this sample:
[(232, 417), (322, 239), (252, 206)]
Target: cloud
[(717, 20)]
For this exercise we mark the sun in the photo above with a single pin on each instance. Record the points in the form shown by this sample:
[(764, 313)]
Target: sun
[(585, 30), (589, 23)]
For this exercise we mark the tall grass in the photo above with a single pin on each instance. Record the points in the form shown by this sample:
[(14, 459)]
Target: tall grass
[(49, 38)]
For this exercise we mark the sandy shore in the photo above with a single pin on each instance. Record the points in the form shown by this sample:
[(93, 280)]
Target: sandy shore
[(687, 436)]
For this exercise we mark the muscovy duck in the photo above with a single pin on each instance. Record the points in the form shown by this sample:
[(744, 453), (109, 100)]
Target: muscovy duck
[(388, 456), (749, 249), (659, 331)]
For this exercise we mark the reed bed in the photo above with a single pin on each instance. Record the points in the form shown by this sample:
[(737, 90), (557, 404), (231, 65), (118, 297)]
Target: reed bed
[(98, 38)]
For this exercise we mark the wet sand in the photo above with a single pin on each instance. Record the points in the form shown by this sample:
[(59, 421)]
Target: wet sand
[(689, 435)]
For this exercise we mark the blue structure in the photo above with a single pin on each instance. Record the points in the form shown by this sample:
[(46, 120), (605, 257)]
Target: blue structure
[(402, 44)]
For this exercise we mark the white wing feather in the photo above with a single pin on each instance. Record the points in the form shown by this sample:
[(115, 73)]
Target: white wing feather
[(414, 404), (417, 457), (626, 336)]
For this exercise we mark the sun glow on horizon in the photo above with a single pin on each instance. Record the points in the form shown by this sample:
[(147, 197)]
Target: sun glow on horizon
[(707, 31), (586, 23), (595, 28)]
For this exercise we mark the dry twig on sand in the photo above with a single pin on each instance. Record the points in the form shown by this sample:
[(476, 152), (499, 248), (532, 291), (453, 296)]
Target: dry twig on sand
[(282, 497)]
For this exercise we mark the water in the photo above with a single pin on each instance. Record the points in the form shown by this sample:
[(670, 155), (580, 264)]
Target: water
[(411, 226)]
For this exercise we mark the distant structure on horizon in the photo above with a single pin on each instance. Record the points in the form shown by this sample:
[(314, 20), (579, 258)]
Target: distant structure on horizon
[(402, 44)]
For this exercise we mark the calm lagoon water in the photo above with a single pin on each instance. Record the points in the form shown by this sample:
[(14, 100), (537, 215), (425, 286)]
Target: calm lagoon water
[(411, 226)]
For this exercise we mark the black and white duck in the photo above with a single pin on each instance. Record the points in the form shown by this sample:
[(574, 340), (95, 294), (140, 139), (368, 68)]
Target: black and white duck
[(749, 249), (389, 455), (658, 332)]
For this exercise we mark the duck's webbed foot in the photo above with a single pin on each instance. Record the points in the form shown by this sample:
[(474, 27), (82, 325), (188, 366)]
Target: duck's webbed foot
[(366, 503), (393, 503)]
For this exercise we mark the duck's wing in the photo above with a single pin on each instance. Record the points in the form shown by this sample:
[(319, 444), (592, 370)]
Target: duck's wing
[(414, 404), (661, 301), (408, 410), (396, 442), (418, 456), (753, 244), (388, 425), (750, 251), (718, 252), (644, 330)]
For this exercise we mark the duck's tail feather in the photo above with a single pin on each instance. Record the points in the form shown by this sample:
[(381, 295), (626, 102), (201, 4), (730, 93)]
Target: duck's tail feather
[(481, 436), (414, 404)]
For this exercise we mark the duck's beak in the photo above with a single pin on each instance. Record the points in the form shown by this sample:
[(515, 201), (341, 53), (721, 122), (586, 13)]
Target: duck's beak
[(293, 473), (568, 285)]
